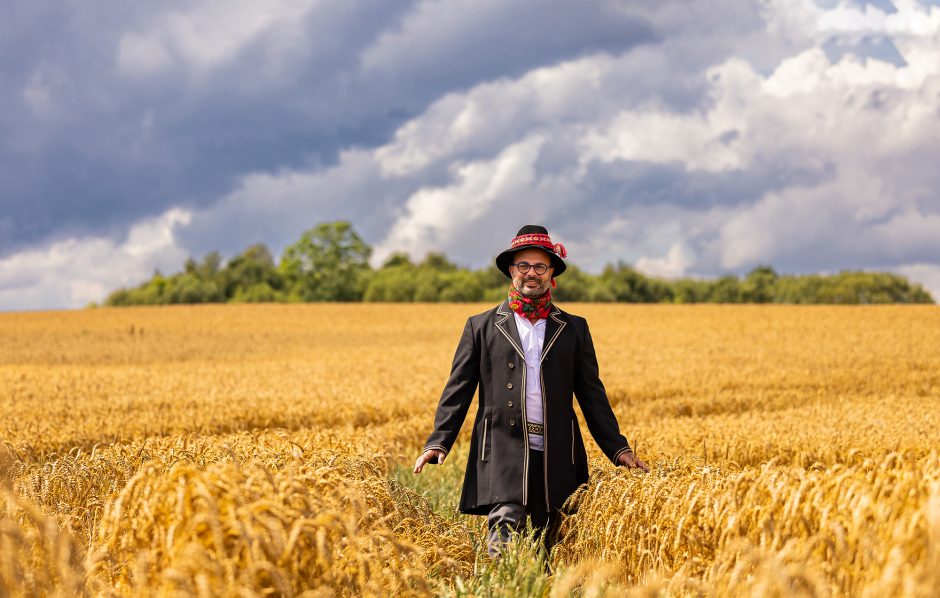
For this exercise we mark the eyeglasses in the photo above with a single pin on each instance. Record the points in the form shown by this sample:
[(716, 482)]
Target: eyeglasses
[(523, 268)]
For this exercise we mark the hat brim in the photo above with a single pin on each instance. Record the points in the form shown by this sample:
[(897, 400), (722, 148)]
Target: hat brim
[(504, 259)]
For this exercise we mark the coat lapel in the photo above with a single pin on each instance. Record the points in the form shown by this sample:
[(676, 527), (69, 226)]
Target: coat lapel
[(553, 328), (506, 324)]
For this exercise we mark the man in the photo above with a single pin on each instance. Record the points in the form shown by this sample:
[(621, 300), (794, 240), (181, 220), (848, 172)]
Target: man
[(528, 358)]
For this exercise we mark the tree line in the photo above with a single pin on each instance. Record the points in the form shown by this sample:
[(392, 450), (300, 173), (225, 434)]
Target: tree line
[(330, 262)]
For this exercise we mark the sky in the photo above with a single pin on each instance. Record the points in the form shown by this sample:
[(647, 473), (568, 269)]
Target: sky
[(685, 137)]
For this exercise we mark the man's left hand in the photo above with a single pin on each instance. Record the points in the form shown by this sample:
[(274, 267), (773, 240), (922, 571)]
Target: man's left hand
[(631, 461)]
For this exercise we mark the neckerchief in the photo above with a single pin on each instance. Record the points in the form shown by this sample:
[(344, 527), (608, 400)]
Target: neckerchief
[(533, 309)]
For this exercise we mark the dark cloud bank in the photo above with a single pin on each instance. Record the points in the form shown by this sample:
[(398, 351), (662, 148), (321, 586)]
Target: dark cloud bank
[(689, 138)]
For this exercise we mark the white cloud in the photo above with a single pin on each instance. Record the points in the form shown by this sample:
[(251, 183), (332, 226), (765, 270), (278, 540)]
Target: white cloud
[(796, 20), (429, 24), (447, 216), (492, 114), (438, 38), (910, 18), (927, 275), (721, 142), (778, 223), (143, 55), (275, 208), (852, 18), (907, 232), (211, 34), (39, 95), (75, 272), (847, 220), (672, 265), (658, 136), (529, 149)]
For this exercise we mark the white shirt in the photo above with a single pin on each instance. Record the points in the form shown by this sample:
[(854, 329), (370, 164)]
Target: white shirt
[(533, 338)]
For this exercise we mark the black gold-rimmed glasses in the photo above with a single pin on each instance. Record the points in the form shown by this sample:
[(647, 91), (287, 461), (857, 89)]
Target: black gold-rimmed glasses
[(523, 268)]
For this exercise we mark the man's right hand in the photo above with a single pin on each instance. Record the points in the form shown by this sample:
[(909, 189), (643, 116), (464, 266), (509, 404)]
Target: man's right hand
[(432, 456)]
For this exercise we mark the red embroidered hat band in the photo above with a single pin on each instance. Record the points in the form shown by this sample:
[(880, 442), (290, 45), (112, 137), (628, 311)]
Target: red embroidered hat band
[(540, 240)]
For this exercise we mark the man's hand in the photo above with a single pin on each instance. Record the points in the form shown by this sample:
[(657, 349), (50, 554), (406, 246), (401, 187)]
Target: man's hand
[(432, 456), (630, 460)]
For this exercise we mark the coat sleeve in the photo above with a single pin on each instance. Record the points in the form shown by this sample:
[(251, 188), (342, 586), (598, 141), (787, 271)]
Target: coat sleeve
[(458, 393), (595, 405)]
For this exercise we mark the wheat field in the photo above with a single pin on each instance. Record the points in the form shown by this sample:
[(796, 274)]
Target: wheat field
[(266, 450)]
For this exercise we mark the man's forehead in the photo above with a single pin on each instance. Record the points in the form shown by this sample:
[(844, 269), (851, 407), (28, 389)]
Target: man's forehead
[(533, 256)]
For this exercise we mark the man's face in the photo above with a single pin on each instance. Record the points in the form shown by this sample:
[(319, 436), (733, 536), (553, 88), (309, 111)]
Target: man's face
[(531, 284)]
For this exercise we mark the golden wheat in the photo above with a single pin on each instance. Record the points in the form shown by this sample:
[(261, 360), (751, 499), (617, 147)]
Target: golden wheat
[(254, 450)]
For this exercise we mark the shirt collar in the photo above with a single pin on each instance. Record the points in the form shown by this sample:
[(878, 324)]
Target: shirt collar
[(527, 323)]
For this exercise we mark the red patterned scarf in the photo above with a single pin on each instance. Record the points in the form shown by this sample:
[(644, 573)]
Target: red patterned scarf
[(533, 309)]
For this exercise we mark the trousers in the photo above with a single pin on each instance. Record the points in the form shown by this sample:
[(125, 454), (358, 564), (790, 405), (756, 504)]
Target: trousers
[(507, 518)]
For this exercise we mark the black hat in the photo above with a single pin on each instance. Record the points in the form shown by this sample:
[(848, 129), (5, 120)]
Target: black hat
[(533, 236)]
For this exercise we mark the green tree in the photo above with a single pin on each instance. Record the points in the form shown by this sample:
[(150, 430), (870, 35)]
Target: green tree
[(461, 286), (399, 258), (871, 287), (151, 292), (190, 288), (428, 284), (759, 285), (261, 292), (437, 261), (395, 282), (573, 285), (689, 290), (199, 282), (726, 289), (252, 275), (119, 297), (329, 262), (207, 269), (600, 292), (494, 283), (628, 285)]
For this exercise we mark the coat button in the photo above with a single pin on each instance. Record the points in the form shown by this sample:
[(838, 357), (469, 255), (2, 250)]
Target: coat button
[(512, 422), (509, 386), (511, 365), (510, 403)]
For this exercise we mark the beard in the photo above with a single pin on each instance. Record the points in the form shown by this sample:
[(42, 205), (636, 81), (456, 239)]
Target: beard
[(531, 292)]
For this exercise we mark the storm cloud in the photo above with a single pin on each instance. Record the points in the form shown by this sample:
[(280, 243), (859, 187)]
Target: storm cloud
[(689, 138)]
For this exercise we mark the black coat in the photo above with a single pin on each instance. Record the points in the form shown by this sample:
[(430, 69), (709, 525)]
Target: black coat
[(490, 356)]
